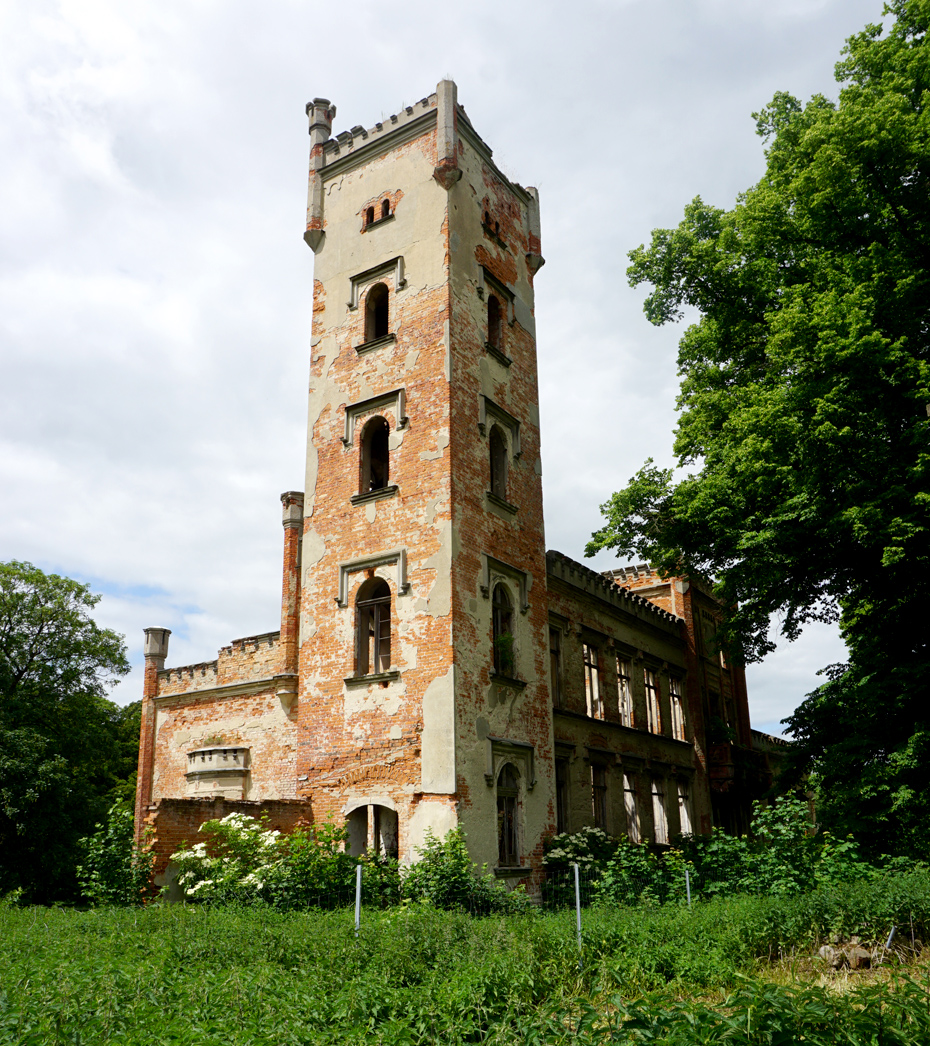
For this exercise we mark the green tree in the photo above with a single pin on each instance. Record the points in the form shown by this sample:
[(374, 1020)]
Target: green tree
[(65, 749), (804, 416)]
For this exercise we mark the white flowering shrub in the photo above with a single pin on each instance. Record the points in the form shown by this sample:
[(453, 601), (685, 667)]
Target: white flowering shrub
[(234, 863)]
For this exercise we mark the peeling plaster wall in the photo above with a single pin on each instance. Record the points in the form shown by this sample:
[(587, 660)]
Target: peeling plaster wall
[(489, 712), (360, 739)]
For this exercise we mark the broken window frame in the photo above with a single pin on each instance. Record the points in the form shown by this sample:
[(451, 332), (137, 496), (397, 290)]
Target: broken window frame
[(653, 707), (594, 703), (676, 702), (373, 628), (685, 816), (659, 812), (625, 690), (631, 807)]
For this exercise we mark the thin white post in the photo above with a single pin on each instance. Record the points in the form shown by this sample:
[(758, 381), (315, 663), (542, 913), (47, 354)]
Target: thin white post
[(358, 897), (578, 913), (890, 938), (688, 886)]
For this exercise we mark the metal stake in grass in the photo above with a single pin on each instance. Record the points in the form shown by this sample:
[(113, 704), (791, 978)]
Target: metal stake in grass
[(688, 886), (578, 913), (358, 897)]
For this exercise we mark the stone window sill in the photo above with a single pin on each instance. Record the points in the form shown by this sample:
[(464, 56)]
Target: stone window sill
[(374, 495), (495, 499), (373, 677), (496, 353), (512, 873), (509, 681), (379, 221), (375, 343)]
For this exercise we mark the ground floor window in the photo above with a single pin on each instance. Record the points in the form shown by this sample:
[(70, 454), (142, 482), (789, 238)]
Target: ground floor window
[(561, 795), (599, 795), (508, 795), (684, 808), (631, 808), (659, 814)]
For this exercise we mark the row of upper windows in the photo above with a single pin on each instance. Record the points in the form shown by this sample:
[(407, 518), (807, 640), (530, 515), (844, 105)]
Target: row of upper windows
[(596, 695), (373, 215), (602, 809)]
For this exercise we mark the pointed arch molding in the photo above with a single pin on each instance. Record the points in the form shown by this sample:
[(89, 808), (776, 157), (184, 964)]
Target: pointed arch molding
[(494, 570), (396, 399), (394, 266), (501, 750), (487, 408), (397, 557)]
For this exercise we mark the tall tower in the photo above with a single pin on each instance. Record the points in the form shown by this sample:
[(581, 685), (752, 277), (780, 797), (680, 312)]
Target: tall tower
[(423, 697)]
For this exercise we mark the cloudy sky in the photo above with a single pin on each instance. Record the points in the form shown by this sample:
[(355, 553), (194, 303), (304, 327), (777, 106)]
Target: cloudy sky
[(155, 292)]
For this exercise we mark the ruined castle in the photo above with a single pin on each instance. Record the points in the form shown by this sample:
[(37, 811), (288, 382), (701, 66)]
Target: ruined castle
[(435, 665)]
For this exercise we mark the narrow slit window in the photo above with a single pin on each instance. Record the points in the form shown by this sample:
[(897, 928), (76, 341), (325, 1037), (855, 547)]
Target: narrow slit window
[(599, 795), (497, 445), (654, 715), (592, 688), (508, 794), (502, 626), (494, 322), (375, 456), (376, 312), (561, 795), (625, 691), (373, 625)]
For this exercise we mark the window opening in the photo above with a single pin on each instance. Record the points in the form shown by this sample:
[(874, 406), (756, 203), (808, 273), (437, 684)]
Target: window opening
[(373, 622), (374, 828), (599, 795), (659, 815), (592, 688), (376, 312), (555, 665), (385, 208), (375, 463), (678, 709), (652, 702), (507, 795), (625, 691), (502, 625), (498, 450), (369, 216), (561, 795), (494, 322), (684, 808), (632, 809)]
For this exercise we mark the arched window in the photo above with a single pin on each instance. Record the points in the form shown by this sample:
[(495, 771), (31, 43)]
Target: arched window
[(385, 208), (369, 216), (502, 625), (373, 627), (494, 322), (376, 312), (487, 219), (375, 464), (497, 445), (508, 795)]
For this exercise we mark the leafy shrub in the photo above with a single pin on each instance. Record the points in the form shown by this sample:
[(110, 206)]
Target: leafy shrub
[(113, 870), (445, 876)]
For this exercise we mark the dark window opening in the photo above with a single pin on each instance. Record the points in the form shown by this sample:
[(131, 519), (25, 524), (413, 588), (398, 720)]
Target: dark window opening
[(385, 208), (599, 795), (376, 312), (498, 449), (508, 793), (494, 322), (561, 795), (369, 216), (592, 687), (487, 219), (502, 625), (497, 228), (375, 465), (373, 622), (555, 665)]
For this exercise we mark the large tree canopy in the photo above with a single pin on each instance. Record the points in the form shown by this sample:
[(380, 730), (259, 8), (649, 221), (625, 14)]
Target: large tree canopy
[(66, 751), (805, 389)]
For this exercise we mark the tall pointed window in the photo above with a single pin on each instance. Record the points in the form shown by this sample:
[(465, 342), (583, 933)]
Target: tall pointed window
[(502, 626), (625, 691), (376, 312), (508, 795), (653, 713), (495, 328), (678, 709), (373, 627), (374, 464), (592, 686), (497, 446)]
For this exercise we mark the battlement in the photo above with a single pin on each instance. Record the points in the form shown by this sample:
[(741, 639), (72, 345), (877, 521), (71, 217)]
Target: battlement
[(242, 661), (603, 587), (358, 135)]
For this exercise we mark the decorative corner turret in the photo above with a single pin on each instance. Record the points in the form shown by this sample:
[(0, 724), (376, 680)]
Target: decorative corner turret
[(156, 645), (320, 113), (534, 258), (447, 171), (292, 508)]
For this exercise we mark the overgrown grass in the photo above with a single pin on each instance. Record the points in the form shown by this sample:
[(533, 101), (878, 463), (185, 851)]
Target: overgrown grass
[(201, 975)]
